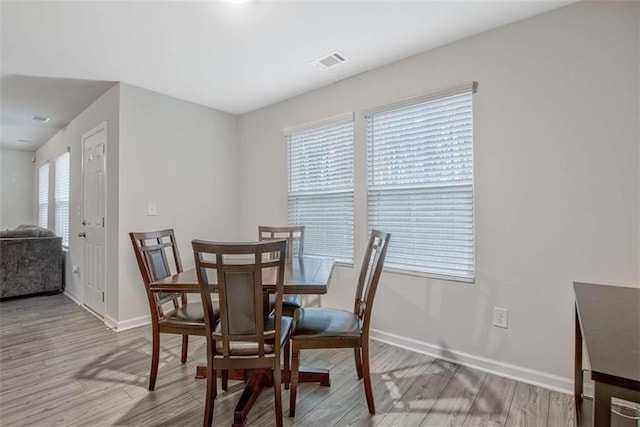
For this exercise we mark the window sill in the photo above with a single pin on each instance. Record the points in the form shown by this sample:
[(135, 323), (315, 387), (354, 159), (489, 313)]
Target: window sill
[(336, 262), (427, 275), (414, 273), (344, 264)]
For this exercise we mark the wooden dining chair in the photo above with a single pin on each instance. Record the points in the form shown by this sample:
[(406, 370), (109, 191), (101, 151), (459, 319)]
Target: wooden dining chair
[(247, 336), (294, 235), (153, 251), (320, 327)]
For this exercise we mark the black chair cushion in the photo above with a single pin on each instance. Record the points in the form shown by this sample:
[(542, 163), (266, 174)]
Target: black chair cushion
[(290, 303), (187, 315), (321, 323), (248, 348)]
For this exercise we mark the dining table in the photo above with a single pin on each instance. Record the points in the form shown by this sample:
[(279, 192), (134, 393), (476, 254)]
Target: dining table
[(607, 326), (305, 275)]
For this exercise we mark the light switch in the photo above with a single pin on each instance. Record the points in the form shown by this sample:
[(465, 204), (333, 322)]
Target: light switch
[(151, 209)]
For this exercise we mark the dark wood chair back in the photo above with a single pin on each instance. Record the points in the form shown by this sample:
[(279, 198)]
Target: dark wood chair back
[(370, 272), (247, 336), (153, 251), (294, 235)]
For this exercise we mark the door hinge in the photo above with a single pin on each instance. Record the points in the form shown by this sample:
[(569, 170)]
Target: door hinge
[(103, 297), (102, 222)]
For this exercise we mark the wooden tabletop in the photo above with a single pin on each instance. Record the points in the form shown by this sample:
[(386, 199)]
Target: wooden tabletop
[(610, 324), (306, 275)]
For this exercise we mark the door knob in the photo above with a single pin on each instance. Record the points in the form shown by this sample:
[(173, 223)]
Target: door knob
[(83, 234)]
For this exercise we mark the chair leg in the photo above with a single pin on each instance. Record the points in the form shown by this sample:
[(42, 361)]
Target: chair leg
[(155, 359), (287, 364), (210, 394), (277, 393), (358, 357), (185, 349), (224, 374), (367, 378), (295, 364)]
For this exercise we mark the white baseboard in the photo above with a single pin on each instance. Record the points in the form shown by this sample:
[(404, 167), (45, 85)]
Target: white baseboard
[(133, 323), (518, 373), (110, 322), (73, 298)]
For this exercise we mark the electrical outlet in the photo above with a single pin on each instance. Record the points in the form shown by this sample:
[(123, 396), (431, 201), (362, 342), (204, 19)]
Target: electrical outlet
[(152, 209), (500, 317)]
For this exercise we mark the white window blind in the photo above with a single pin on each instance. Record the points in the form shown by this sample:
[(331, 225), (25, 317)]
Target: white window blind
[(62, 197), (420, 184), (320, 188), (43, 196)]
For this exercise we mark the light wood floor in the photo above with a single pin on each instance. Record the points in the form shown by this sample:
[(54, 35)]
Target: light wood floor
[(59, 365)]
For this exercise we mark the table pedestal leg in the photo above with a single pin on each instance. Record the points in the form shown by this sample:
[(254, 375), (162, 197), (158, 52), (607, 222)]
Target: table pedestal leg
[(305, 375), (256, 380), (201, 372)]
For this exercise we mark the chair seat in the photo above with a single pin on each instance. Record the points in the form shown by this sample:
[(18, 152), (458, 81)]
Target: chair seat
[(323, 323), (248, 348), (187, 315), (290, 303)]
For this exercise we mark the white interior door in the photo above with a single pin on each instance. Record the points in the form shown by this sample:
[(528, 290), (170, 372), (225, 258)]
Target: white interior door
[(94, 146)]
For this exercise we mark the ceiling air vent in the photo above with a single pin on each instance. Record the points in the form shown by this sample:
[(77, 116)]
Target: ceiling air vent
[(329, 61), (41, 119)]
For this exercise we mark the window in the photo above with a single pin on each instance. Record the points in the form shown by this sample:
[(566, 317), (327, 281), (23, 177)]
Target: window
[(420, 183), (62, 197), (320, 188), (43, 196)]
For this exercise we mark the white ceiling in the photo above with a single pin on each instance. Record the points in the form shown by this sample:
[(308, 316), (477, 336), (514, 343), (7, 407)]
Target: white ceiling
[(59, 99), (229, 56)]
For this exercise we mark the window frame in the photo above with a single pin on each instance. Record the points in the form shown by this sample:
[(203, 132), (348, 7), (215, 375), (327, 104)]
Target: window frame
[(339, 120), (402, 104), (58, 200), (43, 179)]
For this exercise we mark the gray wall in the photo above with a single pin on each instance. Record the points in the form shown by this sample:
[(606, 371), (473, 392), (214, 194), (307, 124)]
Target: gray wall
[(105, 108), (557, 186), (17, 203), (182, 157)]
